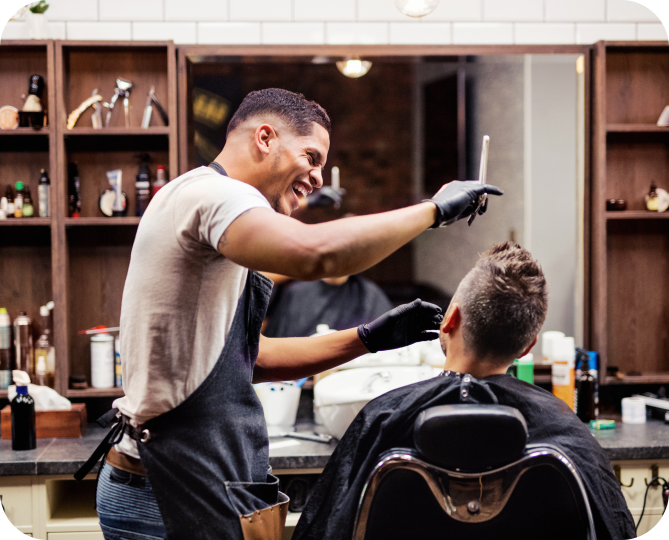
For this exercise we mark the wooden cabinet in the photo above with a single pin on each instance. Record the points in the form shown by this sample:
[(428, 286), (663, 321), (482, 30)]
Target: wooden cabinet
[(629, 283), (79, 263)]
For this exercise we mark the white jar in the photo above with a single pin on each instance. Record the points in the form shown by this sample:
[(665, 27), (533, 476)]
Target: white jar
[(102, 361)]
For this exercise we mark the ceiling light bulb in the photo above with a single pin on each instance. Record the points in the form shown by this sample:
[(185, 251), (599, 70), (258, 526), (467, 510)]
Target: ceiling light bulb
[(416, 8), (354, 67)]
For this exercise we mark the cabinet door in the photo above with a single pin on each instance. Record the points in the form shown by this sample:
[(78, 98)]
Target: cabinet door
[(75, 536), (16, 497)]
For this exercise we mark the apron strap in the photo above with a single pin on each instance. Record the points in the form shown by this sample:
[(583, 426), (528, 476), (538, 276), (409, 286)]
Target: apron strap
[(218, 168), (121, 427)]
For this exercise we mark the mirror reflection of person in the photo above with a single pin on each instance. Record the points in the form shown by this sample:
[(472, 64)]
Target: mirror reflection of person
[(494, 317)]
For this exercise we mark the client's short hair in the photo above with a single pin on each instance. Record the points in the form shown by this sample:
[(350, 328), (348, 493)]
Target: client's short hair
[(503, 302), (294, 109)]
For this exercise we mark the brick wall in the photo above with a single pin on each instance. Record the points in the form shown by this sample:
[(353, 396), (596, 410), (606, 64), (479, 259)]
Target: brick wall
[(348, 22)]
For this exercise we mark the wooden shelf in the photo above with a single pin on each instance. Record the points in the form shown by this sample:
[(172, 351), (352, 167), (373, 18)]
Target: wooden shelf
[(95, 392), (3, 394), (101, 221), (636, 214), (24, 131), (650, 378), (25, 222), (117, 131), (636, 128)]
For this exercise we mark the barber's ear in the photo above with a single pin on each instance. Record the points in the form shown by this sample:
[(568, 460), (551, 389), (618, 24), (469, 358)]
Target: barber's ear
[(526, 351), (264, 135), (451, 319)]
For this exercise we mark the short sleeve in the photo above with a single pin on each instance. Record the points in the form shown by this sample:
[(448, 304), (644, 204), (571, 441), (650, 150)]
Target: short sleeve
[(210, 203)]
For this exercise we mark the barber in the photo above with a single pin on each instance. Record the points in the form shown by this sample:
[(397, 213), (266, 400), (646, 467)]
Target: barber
[(191, 456)]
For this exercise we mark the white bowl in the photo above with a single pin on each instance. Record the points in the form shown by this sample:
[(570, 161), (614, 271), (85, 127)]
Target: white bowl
[(279, 402), (341, 396)]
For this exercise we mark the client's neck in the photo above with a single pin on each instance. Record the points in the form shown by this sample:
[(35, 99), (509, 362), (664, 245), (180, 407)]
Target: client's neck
[(460, 360)]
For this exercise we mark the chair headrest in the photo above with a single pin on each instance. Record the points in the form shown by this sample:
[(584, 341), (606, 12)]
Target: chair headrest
[(470, 438)]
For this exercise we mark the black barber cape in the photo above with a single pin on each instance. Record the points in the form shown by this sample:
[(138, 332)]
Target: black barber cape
[(388, 421), (303, 305)]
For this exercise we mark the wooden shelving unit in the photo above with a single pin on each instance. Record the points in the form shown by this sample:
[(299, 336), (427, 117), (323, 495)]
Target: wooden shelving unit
[(629, 256), (79, 263), (26, 244), (94, 249)]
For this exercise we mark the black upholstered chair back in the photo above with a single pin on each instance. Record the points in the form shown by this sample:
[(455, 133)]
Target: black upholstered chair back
[(471, 476)]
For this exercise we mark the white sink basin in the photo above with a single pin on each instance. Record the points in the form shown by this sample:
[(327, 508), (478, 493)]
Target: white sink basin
[(340, 397)]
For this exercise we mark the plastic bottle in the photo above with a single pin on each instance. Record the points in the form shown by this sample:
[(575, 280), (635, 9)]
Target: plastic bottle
[(547, 339), (42, 349), (563, 370), (3, 207), (584, 393), (28, 210), (9, 195), (525, 368), (5, 349), (142, 186), (160, 181), (118, 365), (102, 361), (23, 415), (23, 343), (44, 194), (18, 200)]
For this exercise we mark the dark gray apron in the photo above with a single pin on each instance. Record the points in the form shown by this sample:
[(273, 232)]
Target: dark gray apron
[(208, 459)]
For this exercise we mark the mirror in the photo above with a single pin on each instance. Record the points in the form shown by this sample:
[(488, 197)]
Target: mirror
[(413, 123)]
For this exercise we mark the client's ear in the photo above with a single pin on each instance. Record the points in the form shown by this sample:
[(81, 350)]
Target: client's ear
[(534, 342), (451, 319)]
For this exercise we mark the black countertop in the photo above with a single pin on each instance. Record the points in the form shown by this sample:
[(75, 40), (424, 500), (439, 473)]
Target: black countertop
[(65, 456)]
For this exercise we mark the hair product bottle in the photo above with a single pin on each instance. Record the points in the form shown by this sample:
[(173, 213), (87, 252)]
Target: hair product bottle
[(563, 370), (44, 195), (5, 349), (18, 200), (23, 415), (28, 210), (585, 393), (142, 186)]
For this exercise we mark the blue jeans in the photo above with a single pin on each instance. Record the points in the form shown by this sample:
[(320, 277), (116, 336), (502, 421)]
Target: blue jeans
[(127, 507)]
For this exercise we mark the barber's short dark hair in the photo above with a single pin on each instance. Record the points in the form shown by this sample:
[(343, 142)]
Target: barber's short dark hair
[(294, 109), (503, 302)]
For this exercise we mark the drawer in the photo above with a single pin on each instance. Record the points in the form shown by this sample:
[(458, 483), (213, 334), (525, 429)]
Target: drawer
[(75, 536), (17, 499)]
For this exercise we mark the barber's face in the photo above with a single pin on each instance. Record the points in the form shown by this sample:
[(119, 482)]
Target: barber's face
[(295, 167)]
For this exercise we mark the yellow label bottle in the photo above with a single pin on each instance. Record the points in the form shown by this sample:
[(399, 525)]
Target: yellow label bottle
[(562, 371)]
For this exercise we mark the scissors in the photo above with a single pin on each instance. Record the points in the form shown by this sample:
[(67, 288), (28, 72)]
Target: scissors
[(483, 172)]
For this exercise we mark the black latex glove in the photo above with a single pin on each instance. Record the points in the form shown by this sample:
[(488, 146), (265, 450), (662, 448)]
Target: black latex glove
[(458, 200), (401, 326), (326, 196)]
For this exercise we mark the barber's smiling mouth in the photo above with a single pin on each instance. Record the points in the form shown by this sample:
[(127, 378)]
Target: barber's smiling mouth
[(301, 189)]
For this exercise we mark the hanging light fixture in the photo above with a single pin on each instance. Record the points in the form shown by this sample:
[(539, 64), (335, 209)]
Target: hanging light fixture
[(354, 67), (416, 8)]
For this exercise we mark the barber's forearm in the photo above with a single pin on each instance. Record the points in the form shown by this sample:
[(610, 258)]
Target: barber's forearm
[(350, 246), (286, 359)]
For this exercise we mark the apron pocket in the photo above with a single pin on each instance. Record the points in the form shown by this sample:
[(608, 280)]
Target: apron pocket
[(261, 507), (267, 524)]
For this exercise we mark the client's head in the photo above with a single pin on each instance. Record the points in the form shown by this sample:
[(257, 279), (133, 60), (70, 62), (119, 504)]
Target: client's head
[(496, 312)]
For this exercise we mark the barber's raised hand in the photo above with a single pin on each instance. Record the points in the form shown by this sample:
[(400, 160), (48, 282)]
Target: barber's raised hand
[(401, 326), (457, 200)]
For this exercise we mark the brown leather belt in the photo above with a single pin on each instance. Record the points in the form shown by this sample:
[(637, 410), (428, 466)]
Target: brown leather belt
[(125, 463)]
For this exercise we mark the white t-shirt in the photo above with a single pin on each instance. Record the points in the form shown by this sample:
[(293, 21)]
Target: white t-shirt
[(180, 293)]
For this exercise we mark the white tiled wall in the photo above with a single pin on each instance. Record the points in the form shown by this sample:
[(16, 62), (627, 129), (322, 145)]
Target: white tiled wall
[(347, 22)]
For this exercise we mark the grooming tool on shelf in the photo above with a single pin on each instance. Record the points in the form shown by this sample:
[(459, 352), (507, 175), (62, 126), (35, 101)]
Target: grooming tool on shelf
[(122, 89), (313, 437), (483, 173), (96, 119), (152, 100), (76, 113)]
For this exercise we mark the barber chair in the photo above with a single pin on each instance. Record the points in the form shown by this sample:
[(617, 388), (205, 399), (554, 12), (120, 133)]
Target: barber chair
[(473, 476)]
